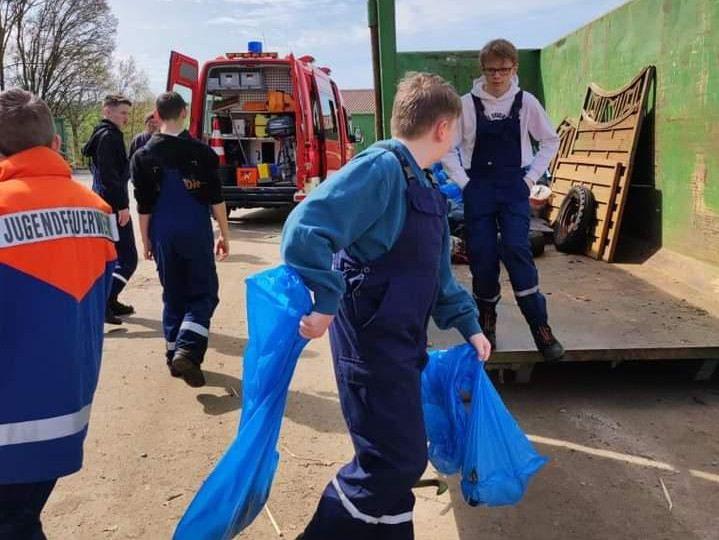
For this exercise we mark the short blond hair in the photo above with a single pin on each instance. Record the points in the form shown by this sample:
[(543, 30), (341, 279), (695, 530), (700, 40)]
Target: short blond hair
[(500, 49), (25, 122), (421, 101)]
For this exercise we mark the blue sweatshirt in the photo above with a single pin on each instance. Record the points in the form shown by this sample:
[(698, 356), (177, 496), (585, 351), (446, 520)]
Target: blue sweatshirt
[(362, 209)]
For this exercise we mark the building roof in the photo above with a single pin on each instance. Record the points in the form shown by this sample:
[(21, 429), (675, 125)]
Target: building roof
[(359, 101)]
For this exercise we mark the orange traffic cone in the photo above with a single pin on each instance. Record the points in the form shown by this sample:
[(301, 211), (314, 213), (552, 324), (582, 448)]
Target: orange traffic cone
[(216, 140)]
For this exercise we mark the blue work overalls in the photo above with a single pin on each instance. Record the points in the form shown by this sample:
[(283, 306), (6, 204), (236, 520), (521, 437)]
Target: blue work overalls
[(379, 341), (497, 198), (182, 244)]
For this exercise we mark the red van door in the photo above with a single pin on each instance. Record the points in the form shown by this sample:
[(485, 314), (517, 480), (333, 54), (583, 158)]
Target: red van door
[(182, 77), (331, 125)]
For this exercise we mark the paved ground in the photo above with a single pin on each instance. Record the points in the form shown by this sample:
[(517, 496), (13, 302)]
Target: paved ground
[(613, 436)]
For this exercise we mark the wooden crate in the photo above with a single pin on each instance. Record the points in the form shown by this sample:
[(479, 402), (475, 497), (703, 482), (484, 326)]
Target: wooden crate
[(603, 149)]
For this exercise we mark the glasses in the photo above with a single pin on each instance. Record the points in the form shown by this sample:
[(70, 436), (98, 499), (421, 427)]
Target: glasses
[(504, 71)]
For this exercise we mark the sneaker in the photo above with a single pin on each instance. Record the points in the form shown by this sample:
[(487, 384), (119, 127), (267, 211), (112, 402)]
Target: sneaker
[(488, 322), (118, 308), (547, 344), (110, 317), (188, 369)]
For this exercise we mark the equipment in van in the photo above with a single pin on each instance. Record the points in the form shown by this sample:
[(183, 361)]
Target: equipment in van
[(279, 101), (254, 106), (261, 126), (267, 108), (281, 126)]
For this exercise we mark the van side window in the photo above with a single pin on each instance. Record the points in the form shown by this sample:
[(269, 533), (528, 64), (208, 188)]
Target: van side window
[(316, 116), (186, 94), (329, 116), (348, 123)]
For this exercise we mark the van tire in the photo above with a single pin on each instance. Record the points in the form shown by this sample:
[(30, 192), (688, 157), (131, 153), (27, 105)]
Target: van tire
[(573, 228), (537, 243)]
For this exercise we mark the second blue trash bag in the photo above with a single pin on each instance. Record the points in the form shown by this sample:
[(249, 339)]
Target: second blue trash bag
[(486, 445), (499, 460), (239, 486)]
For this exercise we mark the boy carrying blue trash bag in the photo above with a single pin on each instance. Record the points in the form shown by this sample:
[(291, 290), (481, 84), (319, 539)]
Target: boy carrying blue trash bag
[(372, 244)]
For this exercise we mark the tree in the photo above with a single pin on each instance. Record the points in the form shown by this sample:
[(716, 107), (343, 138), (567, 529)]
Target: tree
[(133, 83), (83, 108), (12, 13), (62, 48)]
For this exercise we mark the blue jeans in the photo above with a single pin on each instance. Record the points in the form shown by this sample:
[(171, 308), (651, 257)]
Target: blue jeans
[(20, 508)]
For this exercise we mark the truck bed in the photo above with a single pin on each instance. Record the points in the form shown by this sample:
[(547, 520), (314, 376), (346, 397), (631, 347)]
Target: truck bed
[(607, 312)]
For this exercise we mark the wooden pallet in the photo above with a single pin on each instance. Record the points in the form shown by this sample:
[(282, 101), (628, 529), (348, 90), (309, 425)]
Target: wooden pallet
[(602, 156), (602, 178)]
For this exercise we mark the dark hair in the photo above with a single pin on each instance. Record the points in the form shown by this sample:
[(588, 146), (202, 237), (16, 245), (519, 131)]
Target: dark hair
[(25, 122), (422, 99), (113, 100), (170, 105)]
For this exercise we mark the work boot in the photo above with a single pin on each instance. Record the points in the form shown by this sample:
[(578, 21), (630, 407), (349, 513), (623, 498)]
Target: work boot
[(110, 317), (119, 309), (547, 344), (188, 368), (488, 322), (173, 371), (169, 355)]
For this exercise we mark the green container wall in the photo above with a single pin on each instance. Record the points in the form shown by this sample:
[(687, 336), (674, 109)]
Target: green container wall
[(366, 123), (462, 67), (679, 154)]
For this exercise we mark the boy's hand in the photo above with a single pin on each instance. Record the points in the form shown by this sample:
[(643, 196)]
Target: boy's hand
[(123, 217), (482, 346), (222, 250), (147, 250), (315, 325)]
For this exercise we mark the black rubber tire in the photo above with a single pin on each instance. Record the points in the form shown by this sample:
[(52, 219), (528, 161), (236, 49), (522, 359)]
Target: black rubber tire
[(576, 220), (537, 243)]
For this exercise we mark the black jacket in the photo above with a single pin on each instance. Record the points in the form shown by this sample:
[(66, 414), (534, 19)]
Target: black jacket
[(109, 165), (194, 159), (140, 140)]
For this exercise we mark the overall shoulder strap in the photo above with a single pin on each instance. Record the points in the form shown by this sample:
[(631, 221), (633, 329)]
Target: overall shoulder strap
[(406, 167), (478, 106), (517, 104)]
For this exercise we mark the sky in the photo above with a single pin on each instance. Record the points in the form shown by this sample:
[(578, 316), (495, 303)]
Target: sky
[(335, 31)]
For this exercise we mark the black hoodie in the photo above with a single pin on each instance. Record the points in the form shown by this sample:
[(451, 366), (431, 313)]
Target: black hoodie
[(110, 166), (194, 159)]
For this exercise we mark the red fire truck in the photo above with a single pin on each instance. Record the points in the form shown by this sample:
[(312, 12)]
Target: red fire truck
[(278, 124)]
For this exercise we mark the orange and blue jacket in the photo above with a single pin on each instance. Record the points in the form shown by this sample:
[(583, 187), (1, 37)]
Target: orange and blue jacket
[(56, 262)]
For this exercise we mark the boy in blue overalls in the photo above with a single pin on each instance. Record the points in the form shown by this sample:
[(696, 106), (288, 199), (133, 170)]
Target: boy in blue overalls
[(495, 148), (372, 244), (177, 187)]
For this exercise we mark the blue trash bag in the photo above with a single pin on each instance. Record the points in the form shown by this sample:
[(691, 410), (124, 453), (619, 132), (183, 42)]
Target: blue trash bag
[(486, 445), (453, 192), (238, 487), (499, 460), (445, 380), (439, 173)]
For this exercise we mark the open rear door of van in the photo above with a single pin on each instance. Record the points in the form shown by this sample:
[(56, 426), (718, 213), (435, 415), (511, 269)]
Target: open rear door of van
[(182, 77)]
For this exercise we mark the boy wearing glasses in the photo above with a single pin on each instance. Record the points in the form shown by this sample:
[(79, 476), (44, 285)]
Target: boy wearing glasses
[(495, 165)]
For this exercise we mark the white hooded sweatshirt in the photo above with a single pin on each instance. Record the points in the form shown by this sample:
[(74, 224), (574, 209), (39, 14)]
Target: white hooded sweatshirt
[(533, 120)]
